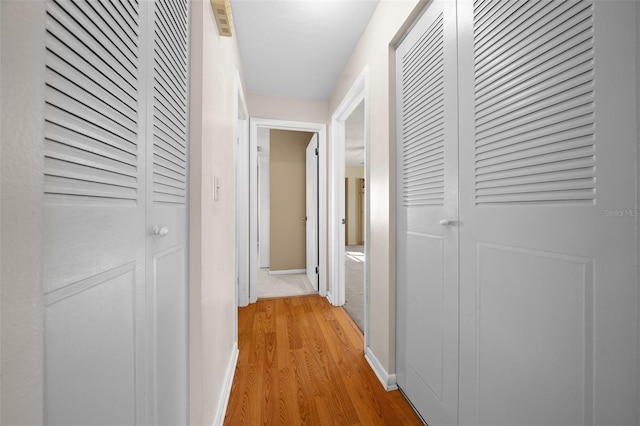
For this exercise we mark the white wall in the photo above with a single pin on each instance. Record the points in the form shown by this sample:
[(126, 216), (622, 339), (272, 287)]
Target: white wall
[(213, 306), (22, 116), (390, 19), (264, 197), (289, 109)]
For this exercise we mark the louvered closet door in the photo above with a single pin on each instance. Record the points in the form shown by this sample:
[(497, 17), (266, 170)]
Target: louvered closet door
[(427, 251), (549, 291), (94, 210), (115, 212), (167, 176)]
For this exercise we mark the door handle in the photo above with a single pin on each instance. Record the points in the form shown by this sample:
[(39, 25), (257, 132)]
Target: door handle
[(445, 222), (162, 232)]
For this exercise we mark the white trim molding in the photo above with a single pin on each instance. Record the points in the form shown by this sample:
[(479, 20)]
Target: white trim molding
[(388, 381), (288, 272), (321, 130), (242, 195), (221, 410)]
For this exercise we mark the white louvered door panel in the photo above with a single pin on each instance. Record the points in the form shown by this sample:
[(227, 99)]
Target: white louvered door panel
[(427, 251), (167, 174), (94, 229), (548, 284)]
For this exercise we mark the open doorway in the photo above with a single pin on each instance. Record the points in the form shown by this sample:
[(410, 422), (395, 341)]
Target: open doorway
[(287, 272), (287, 213), (348, 245), (354, 214)]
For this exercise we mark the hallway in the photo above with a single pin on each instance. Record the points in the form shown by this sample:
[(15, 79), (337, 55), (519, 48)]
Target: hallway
[(301, 362), (502, 150)]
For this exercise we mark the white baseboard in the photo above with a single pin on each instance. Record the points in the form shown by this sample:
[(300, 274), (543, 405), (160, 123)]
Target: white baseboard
[(388, 380), (329, 297), (288, 271), (226, 387)]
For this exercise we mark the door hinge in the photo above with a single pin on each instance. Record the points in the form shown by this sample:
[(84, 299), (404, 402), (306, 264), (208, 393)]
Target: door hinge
[(316, 270), (316, 151)]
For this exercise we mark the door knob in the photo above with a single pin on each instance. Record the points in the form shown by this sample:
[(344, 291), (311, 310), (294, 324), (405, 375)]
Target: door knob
[(445, 222), (163, 232)]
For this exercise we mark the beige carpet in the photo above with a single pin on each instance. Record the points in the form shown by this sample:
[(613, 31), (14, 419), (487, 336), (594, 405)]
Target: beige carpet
[(282, 285), (354, 284)]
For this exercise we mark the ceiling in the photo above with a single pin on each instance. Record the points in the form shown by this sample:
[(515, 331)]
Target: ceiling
[(297, 48)]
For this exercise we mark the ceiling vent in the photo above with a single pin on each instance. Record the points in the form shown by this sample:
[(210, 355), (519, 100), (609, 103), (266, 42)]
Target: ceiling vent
[(222, 12)]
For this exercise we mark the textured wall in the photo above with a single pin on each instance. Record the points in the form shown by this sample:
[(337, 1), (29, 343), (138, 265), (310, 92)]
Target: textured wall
[(213, 307), (22, 109)]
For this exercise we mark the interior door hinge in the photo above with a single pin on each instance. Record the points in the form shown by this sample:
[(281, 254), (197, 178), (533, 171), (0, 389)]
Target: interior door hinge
[(316, 151), (316, 270)]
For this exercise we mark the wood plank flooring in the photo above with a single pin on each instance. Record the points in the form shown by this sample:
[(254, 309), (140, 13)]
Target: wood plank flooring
[(301, 363)]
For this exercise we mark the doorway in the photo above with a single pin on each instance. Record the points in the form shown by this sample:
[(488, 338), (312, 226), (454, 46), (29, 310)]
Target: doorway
[(287, 219), (354, 214), (260, 255), (349, 213)]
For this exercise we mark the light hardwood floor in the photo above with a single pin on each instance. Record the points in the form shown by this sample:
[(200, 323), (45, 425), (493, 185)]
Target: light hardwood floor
[(301, 363)]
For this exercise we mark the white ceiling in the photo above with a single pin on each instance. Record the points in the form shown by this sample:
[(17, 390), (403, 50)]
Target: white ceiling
[(297, 48)]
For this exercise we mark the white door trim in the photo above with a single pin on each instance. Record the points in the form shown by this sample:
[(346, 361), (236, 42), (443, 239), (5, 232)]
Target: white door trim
[(311, 208), (302, 126), (242, 195), (358, 93)]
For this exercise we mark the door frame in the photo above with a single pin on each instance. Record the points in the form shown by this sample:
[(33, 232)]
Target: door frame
[(357, 93), (301, 126), (242, 195), (311, 218)]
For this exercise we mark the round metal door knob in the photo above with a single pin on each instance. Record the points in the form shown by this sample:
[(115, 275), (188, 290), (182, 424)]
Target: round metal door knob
[(445, 222), (163, 232)]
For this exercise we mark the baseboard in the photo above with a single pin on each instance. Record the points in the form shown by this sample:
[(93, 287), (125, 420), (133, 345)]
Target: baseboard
[(329, 297), (226, 387), (388, 380), (288, 271)]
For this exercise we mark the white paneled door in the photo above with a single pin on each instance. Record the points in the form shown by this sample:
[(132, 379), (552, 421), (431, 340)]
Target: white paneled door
[(549, 288), (115, 212), (312, 210), (544, 326), (167, 174), (427, 215)]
